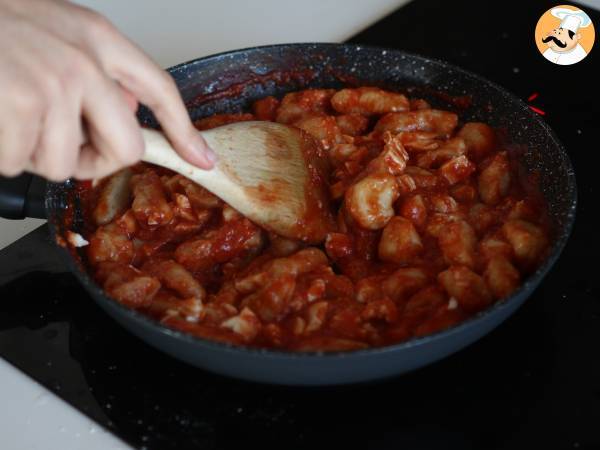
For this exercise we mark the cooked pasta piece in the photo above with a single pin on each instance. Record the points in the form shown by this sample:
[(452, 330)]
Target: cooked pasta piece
[(434, 222), (442, 123), (494, 180), (479, 138), (368, 101), (297, 105), (400, 242), (370, 201)]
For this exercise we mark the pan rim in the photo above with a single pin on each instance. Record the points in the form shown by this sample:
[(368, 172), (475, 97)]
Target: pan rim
[(528, 285)]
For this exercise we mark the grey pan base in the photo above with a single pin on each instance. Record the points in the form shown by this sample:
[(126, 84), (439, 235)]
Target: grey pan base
[(318, 369)]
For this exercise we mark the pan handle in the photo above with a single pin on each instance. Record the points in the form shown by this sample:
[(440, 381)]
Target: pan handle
[(22, 196)]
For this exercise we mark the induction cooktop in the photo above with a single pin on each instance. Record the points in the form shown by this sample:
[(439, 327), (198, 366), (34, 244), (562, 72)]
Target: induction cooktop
[(532, 383)]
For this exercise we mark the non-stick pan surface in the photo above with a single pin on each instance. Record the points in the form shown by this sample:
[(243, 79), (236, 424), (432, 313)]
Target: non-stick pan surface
[(229, 82)]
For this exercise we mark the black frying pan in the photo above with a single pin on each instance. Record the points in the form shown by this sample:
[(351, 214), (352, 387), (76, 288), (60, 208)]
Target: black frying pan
[(229, 82)]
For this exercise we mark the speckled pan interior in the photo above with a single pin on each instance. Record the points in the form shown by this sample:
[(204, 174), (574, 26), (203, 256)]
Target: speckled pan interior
[(229, 82), (257, 72)]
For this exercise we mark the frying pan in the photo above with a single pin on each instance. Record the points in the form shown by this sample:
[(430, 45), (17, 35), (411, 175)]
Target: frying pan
[(229, 82)]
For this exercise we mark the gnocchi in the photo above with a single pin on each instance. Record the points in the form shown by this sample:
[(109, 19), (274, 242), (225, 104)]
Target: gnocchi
[(433, 225), (370, 201)]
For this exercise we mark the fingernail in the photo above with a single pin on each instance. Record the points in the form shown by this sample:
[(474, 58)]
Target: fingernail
[(210, 155), (202, 148)]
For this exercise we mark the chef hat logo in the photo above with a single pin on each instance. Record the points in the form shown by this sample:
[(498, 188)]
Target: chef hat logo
[(565, 35), (570, 19)]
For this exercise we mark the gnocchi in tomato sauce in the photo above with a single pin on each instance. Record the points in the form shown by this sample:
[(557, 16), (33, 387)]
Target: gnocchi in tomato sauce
[(435, 222)]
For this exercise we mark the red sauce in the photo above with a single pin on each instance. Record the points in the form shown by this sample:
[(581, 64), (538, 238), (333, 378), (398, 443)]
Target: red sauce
[(236, 89), (344, 289), (318, 219)]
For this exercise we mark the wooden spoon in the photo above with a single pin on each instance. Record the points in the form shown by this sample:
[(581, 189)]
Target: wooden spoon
[(269, 172)]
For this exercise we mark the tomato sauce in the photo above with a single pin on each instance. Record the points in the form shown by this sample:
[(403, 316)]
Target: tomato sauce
[(428, 221)]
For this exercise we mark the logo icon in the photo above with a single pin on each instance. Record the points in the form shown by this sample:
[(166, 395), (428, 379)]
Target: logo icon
[(564, 35)]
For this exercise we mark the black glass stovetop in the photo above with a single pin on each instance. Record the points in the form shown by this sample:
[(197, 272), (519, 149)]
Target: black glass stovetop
[(532, 383)]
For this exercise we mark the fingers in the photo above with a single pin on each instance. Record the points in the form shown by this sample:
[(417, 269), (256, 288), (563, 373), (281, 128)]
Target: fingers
[(158, 91), (114, 135), (130, 99), (57, 149), (92, 164), (152, 86), (19, 131), (77, 50)]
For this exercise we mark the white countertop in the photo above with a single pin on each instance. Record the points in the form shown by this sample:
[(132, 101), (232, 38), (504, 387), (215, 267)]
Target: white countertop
[(171, 32)]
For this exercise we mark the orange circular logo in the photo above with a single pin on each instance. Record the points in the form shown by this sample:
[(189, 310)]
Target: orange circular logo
[(565, 35)]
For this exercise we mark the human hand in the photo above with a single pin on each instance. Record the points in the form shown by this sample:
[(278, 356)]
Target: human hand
[(70, 86)]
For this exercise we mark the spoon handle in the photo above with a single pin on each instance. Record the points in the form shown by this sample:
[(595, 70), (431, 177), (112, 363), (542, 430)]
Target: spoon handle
[(160, 152)]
